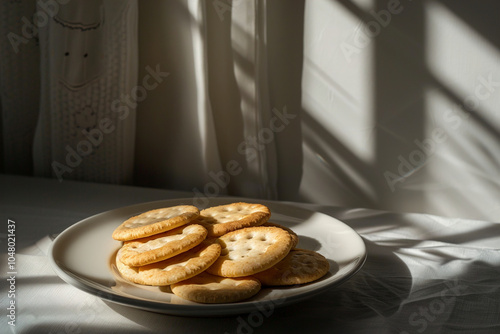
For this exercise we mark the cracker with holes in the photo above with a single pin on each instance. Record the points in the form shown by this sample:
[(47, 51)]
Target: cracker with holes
[(155, 222), (173, 270), (162, 246), (300, 266), (222, 219), (251, 250), (210, 289)]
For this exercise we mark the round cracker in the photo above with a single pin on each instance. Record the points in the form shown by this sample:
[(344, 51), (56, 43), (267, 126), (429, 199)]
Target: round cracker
[(162, 246), (210, 289), (251, 250), (300, 266), (222, 219), (155, 221), (173, 270)]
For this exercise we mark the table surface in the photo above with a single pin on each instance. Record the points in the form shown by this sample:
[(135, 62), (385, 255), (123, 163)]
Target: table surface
[(423, 274)]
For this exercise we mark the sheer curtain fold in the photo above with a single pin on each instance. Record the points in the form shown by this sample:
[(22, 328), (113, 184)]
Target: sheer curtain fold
[(19, 85), (217, 93), (248, 37)]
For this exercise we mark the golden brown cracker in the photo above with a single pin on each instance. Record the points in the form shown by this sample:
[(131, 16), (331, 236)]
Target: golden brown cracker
[(210, 289), (162, 246), (298, 267), (219, 220), (250, 250), (173, 270), (155, 221)]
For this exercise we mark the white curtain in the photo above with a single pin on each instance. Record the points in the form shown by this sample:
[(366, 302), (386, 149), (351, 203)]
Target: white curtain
[(230, 107), (19, 85), (66, 108), (215, 99), (88, 66)]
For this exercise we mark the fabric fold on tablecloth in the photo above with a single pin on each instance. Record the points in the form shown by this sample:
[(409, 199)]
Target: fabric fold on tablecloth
[(426, 273)]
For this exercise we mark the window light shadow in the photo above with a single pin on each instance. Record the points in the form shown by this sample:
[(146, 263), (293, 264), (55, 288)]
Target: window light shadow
[(471, 13)]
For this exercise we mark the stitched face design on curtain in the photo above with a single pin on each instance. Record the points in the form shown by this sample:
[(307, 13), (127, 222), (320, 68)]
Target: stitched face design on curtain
[(88, 61), (80, 51), (79, 56)]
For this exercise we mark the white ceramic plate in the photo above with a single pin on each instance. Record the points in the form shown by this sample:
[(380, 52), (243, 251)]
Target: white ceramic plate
[(83, 256)]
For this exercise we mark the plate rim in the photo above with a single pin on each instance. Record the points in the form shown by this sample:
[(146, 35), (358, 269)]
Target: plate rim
[(200, 310)]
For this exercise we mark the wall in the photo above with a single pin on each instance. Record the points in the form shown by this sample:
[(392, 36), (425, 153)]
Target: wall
[(401, 106)]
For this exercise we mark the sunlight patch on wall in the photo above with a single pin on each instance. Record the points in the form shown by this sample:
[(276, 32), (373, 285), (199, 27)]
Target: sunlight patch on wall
[(453, 44), (462, 160), (462, 136), (337, 84)]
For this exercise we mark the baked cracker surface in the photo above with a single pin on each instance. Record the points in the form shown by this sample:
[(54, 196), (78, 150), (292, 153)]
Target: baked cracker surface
[(155, 221), (300, 266), (222, 219), (250, 250), (172, 270), (159, 247), (210, 289)]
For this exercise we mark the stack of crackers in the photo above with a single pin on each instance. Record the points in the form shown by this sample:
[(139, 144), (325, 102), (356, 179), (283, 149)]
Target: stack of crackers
[(221, 254)]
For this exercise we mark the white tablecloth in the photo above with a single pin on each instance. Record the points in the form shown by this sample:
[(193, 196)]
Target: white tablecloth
[(423, 274)]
